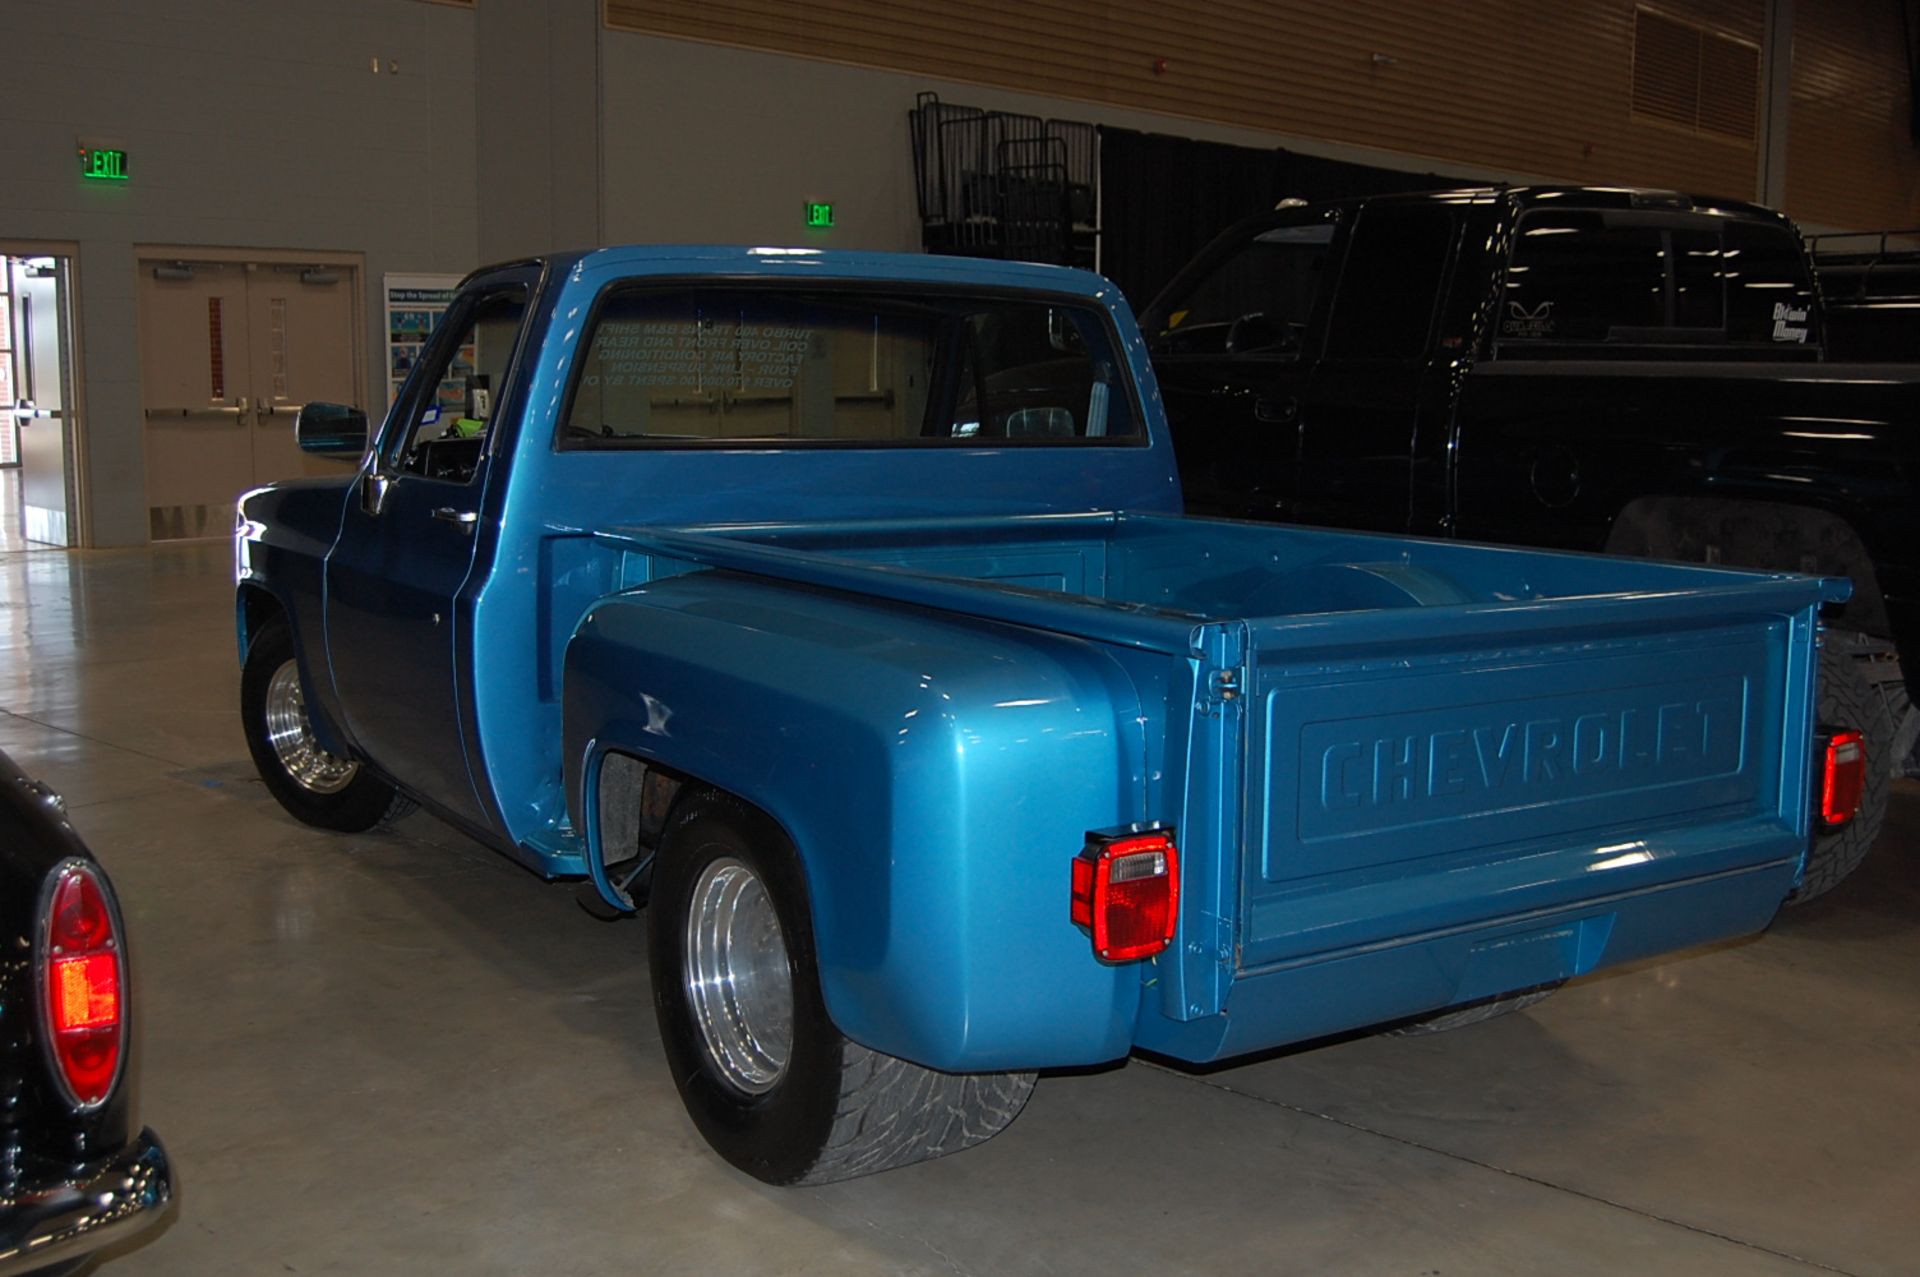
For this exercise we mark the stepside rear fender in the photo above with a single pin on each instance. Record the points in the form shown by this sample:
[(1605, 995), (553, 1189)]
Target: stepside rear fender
[(938, 775)]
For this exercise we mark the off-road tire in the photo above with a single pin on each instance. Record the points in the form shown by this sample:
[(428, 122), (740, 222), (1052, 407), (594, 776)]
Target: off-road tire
[(366, 801), (1459, 1017), (1861, 687), (838, 1110)]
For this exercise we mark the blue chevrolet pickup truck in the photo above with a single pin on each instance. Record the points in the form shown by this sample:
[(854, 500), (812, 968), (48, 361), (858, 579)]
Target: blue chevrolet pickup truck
[(839, 610)]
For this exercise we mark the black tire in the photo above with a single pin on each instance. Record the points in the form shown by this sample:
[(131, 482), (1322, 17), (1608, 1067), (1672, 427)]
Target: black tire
[(359, 802), (1861, 687), (833, 1110), (1459, 1017)]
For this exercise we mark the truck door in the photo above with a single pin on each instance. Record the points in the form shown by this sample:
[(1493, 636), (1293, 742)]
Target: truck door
[(1232, 339), (397, 614), (1378, 384)]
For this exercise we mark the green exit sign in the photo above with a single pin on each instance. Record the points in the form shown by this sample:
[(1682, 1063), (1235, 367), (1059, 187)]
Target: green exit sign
[(103, 165), (819, 214)]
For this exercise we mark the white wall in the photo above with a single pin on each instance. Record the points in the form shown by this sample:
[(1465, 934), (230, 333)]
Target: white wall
[(248, 125)]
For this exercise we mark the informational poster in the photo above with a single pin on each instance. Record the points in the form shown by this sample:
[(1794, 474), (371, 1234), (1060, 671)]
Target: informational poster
[(415, 304)]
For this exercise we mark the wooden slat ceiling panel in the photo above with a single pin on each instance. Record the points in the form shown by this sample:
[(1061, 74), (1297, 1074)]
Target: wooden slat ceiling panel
[(1503, 85), (1850, 158)]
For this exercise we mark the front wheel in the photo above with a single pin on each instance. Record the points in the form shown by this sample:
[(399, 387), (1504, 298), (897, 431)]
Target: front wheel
[(316, 787), (770, 1082)]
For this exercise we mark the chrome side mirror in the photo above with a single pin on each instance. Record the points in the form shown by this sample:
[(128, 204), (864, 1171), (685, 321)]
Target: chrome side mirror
[(331, 430)]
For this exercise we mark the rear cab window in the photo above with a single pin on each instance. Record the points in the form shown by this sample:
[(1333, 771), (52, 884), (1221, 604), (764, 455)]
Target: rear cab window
[(1585, 283), (779, 367)]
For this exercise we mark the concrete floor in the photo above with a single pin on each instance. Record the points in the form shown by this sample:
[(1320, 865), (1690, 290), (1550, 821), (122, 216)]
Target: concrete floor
[(399, 1053)]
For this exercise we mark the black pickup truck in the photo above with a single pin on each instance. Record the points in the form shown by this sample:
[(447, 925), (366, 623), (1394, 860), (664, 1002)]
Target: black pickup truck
[(1640, 372)]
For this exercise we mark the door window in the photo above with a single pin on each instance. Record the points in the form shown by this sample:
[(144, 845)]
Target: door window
[(1391, 284), (452, 398), (1258, 301)]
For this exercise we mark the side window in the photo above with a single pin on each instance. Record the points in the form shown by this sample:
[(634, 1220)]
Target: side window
[(1769, 289), (448, 426), (1391, 283), (1258, 301), (1574, 278)]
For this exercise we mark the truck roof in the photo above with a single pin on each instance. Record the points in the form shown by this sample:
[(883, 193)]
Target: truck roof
[(748, 261), (1567, 197)]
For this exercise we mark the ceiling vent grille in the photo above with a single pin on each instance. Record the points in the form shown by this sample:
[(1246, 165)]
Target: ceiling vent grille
[(1694, 77)]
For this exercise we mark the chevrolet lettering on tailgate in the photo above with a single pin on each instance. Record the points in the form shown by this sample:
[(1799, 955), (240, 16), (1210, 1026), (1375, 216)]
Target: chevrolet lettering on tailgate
[(1679, 739)]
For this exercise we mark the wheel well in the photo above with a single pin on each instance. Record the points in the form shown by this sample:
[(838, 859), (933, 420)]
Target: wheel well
[(633, 800), (1755, 534), (256, 608)]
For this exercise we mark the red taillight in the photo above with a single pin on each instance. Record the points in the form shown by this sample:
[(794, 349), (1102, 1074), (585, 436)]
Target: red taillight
[(1843, 778), (82, 1002), (1126, 892)]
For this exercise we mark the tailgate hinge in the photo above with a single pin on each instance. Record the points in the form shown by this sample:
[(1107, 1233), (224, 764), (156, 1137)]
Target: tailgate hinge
[(1221, 651), (1216, 947)]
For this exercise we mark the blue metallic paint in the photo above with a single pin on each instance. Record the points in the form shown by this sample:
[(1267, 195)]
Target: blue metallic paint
[(939, 773), (1523, 632), (881, 710)]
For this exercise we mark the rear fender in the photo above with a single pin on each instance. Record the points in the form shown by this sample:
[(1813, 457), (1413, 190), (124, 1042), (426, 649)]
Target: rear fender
[(937, 775)]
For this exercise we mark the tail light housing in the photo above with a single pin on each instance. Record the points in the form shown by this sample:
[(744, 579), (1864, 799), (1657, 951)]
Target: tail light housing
[(81, 969), (1842, 778), (1126, 892)]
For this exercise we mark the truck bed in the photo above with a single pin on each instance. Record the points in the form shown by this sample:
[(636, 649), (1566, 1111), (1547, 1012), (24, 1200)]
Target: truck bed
[(1465, 768)]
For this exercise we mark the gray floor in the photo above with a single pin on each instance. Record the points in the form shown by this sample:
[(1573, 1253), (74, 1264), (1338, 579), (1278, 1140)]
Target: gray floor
[(401, 1054)]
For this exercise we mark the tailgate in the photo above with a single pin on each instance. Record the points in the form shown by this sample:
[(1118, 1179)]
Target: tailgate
[(1420, 770)]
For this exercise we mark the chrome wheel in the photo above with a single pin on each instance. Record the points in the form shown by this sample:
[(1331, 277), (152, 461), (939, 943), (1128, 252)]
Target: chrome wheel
[(293, 741), (737, 976)]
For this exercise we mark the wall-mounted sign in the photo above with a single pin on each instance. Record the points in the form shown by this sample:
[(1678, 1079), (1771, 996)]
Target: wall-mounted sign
[(415, 304), (819, 215), (102, 164)]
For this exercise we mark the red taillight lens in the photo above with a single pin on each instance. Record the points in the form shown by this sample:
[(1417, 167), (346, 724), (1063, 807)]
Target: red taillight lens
[(1843, 778), (82, 1004), (1126, 893)]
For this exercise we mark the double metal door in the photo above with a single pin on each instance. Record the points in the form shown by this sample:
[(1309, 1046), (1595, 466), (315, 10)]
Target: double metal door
[(229, 352)]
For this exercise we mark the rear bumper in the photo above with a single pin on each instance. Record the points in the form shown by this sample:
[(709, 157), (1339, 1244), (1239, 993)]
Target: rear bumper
[(1374, 984), (53, 1224)]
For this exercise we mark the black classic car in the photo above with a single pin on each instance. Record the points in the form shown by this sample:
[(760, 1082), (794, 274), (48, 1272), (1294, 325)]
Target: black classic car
[(76, 1174)]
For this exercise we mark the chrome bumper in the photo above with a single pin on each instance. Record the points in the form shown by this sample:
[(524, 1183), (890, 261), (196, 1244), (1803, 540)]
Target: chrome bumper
[(67, 1220)]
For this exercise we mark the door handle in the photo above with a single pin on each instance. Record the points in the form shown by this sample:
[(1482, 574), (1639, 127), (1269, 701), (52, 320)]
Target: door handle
[(461, 518), (1276, 411)]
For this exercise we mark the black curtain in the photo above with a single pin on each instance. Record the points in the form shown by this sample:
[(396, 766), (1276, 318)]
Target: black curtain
[(1162, 198)]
